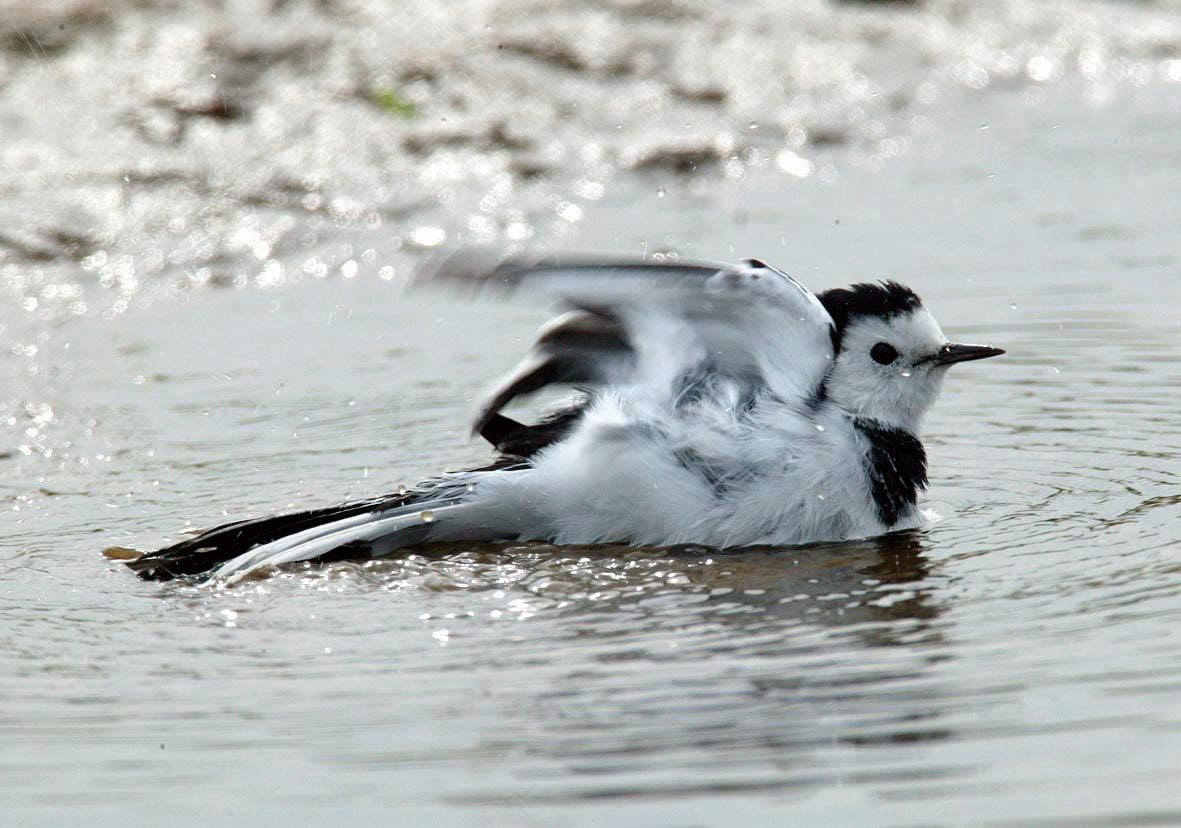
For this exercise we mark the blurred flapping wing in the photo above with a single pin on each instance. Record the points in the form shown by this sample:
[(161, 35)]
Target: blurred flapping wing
[(667, 330)]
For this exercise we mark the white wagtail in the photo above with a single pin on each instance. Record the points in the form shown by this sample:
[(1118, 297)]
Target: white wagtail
[(721, 405)]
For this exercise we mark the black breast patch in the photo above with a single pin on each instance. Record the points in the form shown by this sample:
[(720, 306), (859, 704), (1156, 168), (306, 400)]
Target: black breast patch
[(897, 468)]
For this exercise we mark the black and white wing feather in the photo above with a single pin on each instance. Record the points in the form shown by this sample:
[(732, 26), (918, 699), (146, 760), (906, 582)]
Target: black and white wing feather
[(660, 329)]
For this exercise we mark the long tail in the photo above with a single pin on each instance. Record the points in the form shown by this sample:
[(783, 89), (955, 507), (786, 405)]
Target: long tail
[(442, 510)]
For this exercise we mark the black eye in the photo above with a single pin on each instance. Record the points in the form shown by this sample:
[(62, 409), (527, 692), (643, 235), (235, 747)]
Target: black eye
[(883, 353)]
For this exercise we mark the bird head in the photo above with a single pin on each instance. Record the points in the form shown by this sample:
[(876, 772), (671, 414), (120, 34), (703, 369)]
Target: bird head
[(890, 354)]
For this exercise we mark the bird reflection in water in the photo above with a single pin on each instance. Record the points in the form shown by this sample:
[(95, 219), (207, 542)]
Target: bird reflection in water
[(791, 653)]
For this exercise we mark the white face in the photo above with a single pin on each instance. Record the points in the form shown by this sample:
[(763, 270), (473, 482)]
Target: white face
[(868, 382)]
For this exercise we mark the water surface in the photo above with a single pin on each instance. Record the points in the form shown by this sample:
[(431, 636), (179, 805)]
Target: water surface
[(1019, 662)]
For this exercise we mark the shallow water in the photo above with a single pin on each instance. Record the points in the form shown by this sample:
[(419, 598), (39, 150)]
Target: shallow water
[(1019, 662)]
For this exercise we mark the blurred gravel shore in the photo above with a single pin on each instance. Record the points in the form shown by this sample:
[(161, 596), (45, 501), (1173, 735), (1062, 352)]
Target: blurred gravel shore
[(159, 144)]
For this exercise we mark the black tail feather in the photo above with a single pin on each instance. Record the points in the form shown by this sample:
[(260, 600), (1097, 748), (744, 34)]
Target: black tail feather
[(211, 548)]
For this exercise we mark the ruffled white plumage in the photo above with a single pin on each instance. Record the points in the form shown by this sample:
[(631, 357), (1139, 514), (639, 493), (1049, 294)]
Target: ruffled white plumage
[(704, 430)]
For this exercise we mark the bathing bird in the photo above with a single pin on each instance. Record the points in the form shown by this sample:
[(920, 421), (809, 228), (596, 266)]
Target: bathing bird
[(723, 405)]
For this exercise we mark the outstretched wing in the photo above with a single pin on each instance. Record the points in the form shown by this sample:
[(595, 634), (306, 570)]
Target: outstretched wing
[(668, 329)]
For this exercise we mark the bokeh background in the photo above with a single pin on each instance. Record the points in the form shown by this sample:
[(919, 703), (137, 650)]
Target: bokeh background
[(208, 215)]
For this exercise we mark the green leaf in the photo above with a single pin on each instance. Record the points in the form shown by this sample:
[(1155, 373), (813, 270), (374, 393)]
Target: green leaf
[(390, 100)]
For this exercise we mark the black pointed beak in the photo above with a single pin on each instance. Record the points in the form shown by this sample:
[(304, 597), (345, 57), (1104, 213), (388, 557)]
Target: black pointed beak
[(953, 352)]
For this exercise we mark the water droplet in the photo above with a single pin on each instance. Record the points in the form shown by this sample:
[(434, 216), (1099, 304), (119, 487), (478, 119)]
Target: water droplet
[(985, 125), (753, 125), (660, 192), (906, 373), (471, 487), (819, 427), (1013, 306), (426, 516), (820, 497), (568, 211), (428, 236)]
